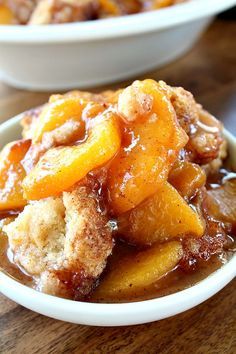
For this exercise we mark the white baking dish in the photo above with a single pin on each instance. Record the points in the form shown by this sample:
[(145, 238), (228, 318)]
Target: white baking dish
[(56, 57)]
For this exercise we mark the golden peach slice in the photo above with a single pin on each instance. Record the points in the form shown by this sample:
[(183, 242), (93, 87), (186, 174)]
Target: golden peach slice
[(221, 202), (151, 144), (187, 178), (12, 174), (163, 216), (60, 168), (61, 109), (6, 15), (134, 274)]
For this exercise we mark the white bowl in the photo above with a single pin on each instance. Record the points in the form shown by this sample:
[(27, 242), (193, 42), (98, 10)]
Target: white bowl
[(113, 314), (96, 52)]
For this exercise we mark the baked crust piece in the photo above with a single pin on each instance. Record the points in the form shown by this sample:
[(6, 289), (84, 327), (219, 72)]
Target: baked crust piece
[(62, 242)]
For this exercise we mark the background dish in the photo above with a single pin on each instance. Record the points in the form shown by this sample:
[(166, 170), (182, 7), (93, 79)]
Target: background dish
[(65, 11), (114, 314), (97, 52)]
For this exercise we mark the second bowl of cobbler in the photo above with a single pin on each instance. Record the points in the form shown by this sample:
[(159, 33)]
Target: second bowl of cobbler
[(102, 41)]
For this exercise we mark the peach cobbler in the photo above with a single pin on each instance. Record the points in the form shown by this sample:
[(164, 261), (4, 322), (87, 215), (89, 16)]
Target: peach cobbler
[(39, 12), (117, 196)]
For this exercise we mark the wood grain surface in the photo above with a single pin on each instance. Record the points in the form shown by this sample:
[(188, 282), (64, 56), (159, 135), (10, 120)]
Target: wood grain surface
[(209, 71)]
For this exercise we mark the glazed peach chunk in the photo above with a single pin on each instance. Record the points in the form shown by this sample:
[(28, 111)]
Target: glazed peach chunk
[(110, 7), (60, 168), (6, 15), (187, 178), (163, 216), (133, 274), (62, 109), (56, 113), (157, 4), (221, 202), (151, 143), (12, 174)]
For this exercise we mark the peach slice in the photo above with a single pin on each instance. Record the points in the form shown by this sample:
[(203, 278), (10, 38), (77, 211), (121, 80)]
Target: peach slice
[(110, 7), (163, 216), (6, 15), (57, 112), (61, 109), (221, 202), (187, 178), (151, 144), (157, 4), (60, 168), (12, 174), (134, 274)]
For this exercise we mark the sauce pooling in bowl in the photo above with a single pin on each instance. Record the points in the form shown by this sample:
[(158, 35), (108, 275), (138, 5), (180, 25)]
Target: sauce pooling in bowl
[(183, 276)]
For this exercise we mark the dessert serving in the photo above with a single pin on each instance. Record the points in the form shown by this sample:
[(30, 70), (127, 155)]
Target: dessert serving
[(40, 12), (115, 197)]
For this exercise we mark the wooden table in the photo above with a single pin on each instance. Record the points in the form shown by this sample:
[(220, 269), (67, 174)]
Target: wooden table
[(209, 71)]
